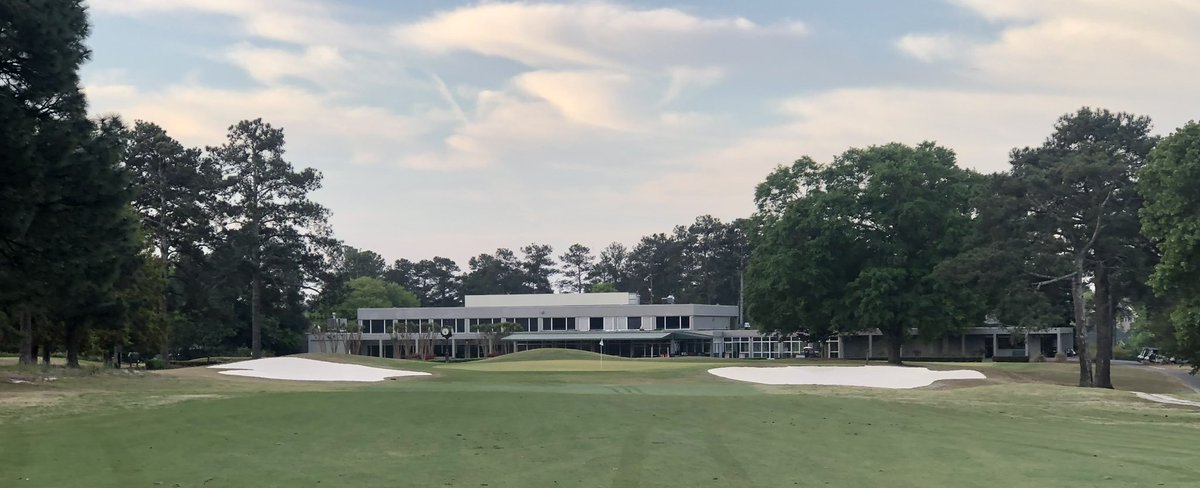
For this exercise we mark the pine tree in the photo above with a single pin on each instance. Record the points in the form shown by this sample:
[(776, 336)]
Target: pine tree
[(269, 220)]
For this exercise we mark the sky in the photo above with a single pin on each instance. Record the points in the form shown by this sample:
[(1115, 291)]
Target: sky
[(455, 128)]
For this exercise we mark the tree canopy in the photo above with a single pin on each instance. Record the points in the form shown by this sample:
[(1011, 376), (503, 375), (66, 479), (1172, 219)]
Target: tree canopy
[(368, 292), (1171, 217), (852, 246)]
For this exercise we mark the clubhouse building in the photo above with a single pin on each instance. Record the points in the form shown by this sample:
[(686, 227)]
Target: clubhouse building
[(617, 324)]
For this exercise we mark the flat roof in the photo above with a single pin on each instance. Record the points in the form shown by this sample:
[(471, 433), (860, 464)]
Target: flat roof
[(656, 335), (550, 299), (658, 309)]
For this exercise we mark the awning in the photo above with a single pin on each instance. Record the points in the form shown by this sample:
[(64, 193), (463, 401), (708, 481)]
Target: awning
[(565, 336)]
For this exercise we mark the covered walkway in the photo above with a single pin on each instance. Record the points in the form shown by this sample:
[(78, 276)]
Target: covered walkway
[(633, 344)]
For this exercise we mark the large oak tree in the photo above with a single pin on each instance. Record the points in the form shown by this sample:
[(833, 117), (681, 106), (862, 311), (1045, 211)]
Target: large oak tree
[(1171, 217), (852, 246)]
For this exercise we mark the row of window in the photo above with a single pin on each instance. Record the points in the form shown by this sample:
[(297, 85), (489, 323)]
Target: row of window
[(527, 324)]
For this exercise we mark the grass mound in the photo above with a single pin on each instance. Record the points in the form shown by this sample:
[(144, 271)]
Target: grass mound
[(551, 354), (374, 362), (569, 360)]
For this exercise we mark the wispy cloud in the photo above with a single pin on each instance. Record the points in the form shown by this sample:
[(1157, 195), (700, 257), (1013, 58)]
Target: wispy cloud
[(608, 120)]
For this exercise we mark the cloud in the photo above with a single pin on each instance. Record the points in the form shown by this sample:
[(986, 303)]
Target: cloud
[(1107, 46), (585, 97), (929, 48), (303, 22), (685, 78), (317, 126), (597, 35), (507, 119), (271, 66)]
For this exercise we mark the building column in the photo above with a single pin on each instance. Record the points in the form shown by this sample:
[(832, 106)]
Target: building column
[(1026, 344), (453, 348), (1058, 339), (995, 345), (962, 348), (870, 345), (841, 348), (381, 348)]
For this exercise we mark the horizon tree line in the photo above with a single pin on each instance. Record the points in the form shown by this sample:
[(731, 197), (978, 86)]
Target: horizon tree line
[(116, 237)]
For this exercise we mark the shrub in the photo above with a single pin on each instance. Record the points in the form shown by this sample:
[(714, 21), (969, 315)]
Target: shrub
[(1011, 359), (156, 363), (1060, 358)]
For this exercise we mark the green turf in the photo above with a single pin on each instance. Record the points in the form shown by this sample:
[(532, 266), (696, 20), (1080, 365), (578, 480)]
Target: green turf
[(551, 354), (665, 426)]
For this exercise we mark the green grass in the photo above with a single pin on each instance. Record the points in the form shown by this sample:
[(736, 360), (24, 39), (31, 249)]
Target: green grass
[(509, 424), (551, 354), (576, 365)]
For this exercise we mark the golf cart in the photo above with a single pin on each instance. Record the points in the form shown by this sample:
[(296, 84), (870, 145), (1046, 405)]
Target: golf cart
[(1150, 355), (809, 352)]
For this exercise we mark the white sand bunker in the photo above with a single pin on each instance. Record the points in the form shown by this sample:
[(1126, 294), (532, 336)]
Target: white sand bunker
[(1168, 399), (301, 369), (898, 377)]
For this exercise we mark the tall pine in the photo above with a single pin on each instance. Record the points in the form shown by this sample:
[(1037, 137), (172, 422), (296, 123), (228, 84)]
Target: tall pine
[(278, 232), (64, 222)]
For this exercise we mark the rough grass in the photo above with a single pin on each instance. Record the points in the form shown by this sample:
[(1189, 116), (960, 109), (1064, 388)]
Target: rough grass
[(1128, 378), (210, 360), (661, 427)]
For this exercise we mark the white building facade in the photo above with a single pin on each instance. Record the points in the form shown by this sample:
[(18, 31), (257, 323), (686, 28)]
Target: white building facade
[(616, 324)]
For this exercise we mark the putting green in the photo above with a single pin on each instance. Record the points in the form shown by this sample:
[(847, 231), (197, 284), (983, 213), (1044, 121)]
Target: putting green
[(575, 365)]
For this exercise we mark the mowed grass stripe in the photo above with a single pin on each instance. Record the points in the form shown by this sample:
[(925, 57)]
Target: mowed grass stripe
[(575, 365), (463, 438)]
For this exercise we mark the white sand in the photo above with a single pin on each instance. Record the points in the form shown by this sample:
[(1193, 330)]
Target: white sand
[(897, 377), (1168, 399), (301, 369)]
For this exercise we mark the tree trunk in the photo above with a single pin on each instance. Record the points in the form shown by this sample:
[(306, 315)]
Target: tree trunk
[(46, 353), (72, 340), (1085, 369), (26, 320), (255, 319), (163, 251), (893, 349), (163, 349), (1104, 329)]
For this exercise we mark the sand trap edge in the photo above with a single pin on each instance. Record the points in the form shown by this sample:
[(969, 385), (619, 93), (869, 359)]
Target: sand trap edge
[(303, 369)]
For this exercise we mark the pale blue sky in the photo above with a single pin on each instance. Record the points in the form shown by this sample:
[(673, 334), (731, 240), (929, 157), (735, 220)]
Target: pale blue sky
[(453, 128)]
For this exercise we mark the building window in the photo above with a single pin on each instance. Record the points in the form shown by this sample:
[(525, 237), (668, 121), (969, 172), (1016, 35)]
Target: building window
[(596, 323), (457, 325), (558, 323), (570, 323), (527, 324), (660, 323), (633, 323), (685, 322), (672, 322)]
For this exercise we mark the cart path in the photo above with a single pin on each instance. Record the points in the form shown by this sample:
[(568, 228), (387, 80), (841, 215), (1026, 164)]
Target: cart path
[(1190, 380)]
